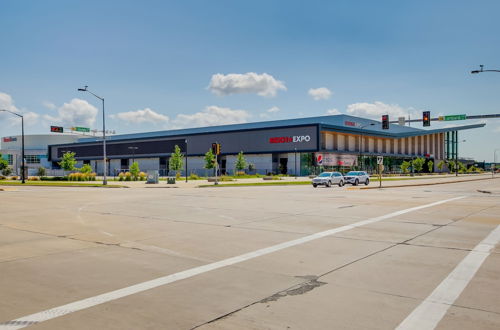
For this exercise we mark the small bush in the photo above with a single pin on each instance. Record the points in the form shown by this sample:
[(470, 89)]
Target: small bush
[(128, 176), (194, 176), (121, 176), (33, 178), (53, 178), (14, 177), (226, 178), (240, 173), (142, 176), (2, 177), (7, 171)]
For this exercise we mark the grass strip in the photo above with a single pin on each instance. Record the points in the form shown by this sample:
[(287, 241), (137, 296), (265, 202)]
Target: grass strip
[(57, 184)]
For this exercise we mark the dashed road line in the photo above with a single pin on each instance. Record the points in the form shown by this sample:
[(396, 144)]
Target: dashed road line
[(55, 312)]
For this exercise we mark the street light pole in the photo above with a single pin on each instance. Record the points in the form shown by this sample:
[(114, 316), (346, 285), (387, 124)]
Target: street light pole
[(186, 164), (105, 165), (482, 70), (23, 177)]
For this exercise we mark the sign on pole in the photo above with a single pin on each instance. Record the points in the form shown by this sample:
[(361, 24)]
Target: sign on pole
[(452, 117), (80, 129), (380, 160), (401, 121)]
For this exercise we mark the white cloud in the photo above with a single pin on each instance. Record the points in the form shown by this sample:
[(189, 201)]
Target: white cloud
[(377, 109), (141, 116), (333, 112), (273, 110), (321, 93), (251, 82), (49, 105), (7, 103), (77, 112), (211, 116)]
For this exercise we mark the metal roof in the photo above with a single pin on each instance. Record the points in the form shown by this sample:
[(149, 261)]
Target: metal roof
[(340, 122)]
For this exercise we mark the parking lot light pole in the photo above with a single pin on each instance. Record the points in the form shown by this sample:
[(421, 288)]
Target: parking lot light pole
[(133, 152), (295, 163), (23, 177), (361, 144), (105, 165)]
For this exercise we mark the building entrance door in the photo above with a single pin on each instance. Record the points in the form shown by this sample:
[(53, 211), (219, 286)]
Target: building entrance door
[(283, 167)]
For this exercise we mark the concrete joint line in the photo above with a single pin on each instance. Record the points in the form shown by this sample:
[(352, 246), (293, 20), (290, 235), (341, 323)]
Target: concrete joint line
[(79, 305), (429, 313)]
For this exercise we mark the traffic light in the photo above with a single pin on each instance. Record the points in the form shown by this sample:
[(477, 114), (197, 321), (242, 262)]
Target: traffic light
[(216, 148), (385, 121), (56, 129), (426, 118)]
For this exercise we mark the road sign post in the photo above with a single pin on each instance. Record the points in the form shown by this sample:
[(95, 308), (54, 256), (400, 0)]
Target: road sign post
[(380, 168)]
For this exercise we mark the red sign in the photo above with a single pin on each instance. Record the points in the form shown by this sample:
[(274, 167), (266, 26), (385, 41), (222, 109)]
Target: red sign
[(9, 139), (290, 139), (350, 123)]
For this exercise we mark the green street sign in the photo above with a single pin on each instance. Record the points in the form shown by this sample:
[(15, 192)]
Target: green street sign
[(80, 129), (452, 117)]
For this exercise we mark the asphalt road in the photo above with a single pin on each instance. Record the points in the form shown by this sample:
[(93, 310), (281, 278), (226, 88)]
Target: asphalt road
[(284, 257)]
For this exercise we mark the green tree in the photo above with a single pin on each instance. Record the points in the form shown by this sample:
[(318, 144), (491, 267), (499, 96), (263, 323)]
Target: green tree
[(430, 166), (209, 159), (441, 164), (451, 166), (241, 163), (176, 161), (86, 169), (3, 163), (68, 161), (41, 171), (418, 164), (135, 170), (404, 166)]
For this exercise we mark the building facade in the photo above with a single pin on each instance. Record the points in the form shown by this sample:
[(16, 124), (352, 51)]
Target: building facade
[(35, 150), (294, 146)]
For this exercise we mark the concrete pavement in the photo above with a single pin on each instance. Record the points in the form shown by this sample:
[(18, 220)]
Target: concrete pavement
[(62, 245)]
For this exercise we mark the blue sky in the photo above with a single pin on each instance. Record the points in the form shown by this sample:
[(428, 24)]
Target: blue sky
[(155, 61)]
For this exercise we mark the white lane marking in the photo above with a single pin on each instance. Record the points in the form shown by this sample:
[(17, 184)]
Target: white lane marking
[(429, 313), (140, 287)]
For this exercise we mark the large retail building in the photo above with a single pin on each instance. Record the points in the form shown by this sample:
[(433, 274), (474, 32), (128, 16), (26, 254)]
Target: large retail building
[(293, 146)]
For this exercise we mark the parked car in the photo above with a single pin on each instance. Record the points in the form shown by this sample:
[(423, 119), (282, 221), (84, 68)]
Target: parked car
[(328, 178), (357, 177)]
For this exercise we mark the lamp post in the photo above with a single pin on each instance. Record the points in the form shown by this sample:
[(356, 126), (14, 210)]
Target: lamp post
[(494, 165), (295, 149), (23, 178), (186, 164), (456, 156), (105, 165), (361, 143), (482, 70), (133, 152)]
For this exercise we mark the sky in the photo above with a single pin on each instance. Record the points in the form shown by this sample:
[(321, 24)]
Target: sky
[(174, 64)]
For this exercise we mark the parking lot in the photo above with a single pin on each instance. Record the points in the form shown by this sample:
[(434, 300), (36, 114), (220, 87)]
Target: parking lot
[(275, 257)]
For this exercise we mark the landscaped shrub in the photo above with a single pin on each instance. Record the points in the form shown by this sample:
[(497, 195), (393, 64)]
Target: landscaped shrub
[(33, 178), (142, 176), (194, 176), (121, 176), (128, 176)]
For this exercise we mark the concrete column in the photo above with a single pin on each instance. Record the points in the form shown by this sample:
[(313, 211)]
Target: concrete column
[(341, 142), (328, 141)]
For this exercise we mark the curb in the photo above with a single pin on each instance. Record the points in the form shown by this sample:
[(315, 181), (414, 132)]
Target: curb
[(426, 184)]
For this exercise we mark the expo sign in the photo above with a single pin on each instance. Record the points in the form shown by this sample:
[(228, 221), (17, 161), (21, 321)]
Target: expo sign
[(290, 139)]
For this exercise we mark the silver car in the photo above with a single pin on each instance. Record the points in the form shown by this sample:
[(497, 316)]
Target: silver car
[(328, 178), (357, 177)]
